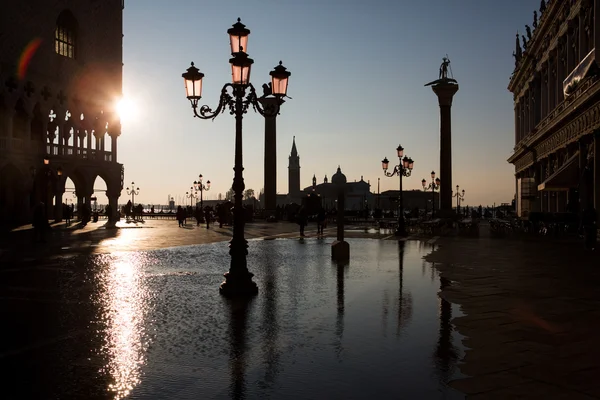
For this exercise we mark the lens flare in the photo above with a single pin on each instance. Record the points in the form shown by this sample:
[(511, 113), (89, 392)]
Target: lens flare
[(26, 56)]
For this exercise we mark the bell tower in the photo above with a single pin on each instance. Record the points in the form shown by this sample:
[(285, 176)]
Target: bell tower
[(294, 171)]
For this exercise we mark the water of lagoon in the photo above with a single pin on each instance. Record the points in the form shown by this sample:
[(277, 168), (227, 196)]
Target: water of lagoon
[(152, 325)]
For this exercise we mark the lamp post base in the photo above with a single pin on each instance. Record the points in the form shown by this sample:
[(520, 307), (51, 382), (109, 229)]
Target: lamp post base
[(238, 285), (401, 230)]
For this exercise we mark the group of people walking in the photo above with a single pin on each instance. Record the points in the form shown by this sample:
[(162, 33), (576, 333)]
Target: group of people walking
[(302, 220)]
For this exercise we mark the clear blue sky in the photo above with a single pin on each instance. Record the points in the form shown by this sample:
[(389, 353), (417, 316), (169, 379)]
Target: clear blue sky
[(358, 70)]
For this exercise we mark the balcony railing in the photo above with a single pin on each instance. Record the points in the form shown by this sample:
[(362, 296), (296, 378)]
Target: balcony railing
[(24, 146)]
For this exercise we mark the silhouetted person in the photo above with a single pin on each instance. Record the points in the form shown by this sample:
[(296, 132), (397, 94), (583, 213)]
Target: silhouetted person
[(180, 215), (589, 222), (301, 219), (321, 217), (86, 214), (207, 216), (198, 215)]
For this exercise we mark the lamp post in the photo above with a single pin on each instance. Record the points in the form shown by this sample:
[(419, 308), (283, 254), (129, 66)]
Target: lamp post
[(191, 195), (404, 168), (238, 281), (459, 198), (433, 185), (200, 187), (133, 192)]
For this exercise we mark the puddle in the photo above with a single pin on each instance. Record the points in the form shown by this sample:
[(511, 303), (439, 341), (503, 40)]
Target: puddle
[(153, 325)]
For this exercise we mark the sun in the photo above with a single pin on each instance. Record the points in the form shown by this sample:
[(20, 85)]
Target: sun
[(126, 109)]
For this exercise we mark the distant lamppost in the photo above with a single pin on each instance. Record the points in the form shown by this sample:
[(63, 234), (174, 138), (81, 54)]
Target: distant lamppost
[(459, 198), (200, 187), (133, 192), (238, 281), (404, 168), (191, 195), (433, 185)]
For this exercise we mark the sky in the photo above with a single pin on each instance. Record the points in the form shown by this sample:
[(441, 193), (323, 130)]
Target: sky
[(357, 91)]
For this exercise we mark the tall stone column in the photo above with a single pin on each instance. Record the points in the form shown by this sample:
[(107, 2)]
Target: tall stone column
[(445, 91), (270, 169)]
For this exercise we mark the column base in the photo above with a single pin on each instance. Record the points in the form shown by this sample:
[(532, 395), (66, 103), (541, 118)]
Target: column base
[(340, 250), (238, 285)]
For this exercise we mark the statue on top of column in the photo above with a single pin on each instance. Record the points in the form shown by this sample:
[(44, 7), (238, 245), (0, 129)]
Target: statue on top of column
[(542, 6), (443, 75)]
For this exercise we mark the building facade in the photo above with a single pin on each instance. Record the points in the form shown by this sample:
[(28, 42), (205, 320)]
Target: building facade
[(556, 93), (60, 79), (358, 194)]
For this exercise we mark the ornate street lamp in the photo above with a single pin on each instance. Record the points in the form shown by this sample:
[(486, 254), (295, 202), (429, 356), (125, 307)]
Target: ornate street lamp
[(459, 198), (433, 185), (200, 187), (404, 168), (238, 281), (191, 195), (133, 192)]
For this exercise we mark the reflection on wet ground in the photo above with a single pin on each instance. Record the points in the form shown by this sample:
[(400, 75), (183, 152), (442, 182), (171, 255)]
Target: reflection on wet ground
[(153, 325)]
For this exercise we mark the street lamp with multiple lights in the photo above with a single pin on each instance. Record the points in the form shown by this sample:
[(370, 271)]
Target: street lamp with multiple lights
[(191, 195), (404, 168), (433, 186), (133, 192), (459, 198), (234, 97), (200, 187)]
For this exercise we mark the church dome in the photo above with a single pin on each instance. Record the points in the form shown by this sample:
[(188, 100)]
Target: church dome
[(338, 178)]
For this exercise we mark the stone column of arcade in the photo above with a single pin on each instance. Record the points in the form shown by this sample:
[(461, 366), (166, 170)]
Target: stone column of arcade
[(445, 88), (270, 171), (113, 202)]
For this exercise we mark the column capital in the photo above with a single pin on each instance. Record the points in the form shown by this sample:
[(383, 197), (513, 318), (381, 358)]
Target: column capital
[(445, 92)]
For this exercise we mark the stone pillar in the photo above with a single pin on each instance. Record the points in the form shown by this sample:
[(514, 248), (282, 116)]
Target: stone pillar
[(596, 18), (58, 210), (113, 202), (561, 74), (517, 122), (583, 192), (113, 146), (544, 91), (445, 92), (340, 249), (597, 170), (270, 166)]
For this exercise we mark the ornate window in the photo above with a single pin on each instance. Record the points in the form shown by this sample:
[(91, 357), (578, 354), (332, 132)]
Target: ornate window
[(65, 35)]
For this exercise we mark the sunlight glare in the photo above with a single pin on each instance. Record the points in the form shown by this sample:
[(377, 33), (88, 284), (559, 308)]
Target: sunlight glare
[(126, 108)]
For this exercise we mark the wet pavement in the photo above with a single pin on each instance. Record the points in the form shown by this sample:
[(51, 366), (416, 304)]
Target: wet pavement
[(151, 324), (531, 316)]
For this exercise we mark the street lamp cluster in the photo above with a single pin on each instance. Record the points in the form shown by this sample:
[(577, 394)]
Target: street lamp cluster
[(133, 192), (459, 198), (200, 187), (404, 168), (191, 195), (238, 281), (433, 186)]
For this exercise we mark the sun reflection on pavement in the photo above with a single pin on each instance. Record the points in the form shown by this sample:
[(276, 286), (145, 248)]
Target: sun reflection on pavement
[(123, 300)]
